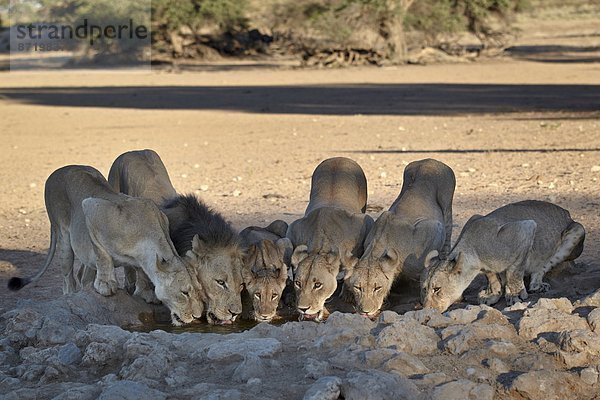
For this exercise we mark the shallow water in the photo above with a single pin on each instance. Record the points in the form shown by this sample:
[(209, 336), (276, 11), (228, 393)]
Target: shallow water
[(204, 327)]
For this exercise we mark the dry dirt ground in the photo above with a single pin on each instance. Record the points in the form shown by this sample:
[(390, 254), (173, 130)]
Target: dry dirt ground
[(246, 138)]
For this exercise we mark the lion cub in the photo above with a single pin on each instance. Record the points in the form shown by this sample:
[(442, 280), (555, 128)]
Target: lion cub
[(419, 220), (525, 238), (265, 269), (100, 227)]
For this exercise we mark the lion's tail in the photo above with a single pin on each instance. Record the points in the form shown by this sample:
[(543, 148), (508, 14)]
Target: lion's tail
[(17, 283)]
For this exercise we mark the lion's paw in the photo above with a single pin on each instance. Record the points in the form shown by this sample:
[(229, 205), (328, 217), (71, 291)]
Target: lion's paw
[(105, 288)]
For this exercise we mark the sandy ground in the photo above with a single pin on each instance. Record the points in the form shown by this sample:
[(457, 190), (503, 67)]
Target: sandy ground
[(247, 138)]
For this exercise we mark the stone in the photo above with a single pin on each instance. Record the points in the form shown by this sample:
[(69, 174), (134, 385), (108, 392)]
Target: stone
[(84, 392), (429, 317), (429, 380), (573, 360), (374, 358), (589, 375), (563, 304), (409, 336), (235, 348), (315, 368), (496, 365), (459, 339), (388, 317), (129, 390), (100, 354), (544, 384), (547, 319), (326, 388), (592, 300), (69, 354), (55, 331), (252, 367), (580, 341), (378, 385), (405, 364), (501, 347), (463, 389), (593, 319), (463, 316)]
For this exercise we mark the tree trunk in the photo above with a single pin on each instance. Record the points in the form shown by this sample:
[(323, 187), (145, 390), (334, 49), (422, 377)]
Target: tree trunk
[(391, 29)]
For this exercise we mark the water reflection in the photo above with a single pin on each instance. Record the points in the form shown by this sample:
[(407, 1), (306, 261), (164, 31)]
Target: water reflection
[(204, 327)]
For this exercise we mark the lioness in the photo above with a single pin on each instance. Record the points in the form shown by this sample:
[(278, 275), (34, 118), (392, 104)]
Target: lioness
[(419, 220), (328, 239), (529, 237), (141, 173), (88, 220), (265, 271), (198, 232)]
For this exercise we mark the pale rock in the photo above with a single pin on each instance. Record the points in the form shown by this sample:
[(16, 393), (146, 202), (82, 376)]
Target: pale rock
[(389, 317), (496, 365), (580, 341), (69, 354), (459, 339), (549, 318), (252, 367), (235, 348), (405, 364), (409, 336), (463, 389), (544, 384), (592, 300), (315, 368), (378, 385), (83, 392), (589, 375), (375, 358), (429, 380), (501, 347), (573, 360), (563, 304), (98, 355), (429, 317), (465, 315), (326, 388), (593, 319), (129, 390)]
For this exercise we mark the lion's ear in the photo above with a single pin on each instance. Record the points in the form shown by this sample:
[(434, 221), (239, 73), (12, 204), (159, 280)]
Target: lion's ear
[(390, 261), (431, 257), (285, 248), (299, 254), (198, 245), (348, 264)]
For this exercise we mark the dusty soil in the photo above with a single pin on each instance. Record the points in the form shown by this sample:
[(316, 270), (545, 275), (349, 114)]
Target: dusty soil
[(246, 136)]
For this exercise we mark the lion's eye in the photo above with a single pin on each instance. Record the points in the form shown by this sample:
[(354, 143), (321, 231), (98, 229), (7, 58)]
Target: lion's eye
[(274, 296), (186, 294), (221, 282), (436, 290), (257, 295), (358, 288), (298, 284), (318, 285), (377, 288)]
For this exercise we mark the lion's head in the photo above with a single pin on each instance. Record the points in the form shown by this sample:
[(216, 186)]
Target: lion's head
[(218, 271), (175, 289), (442, 282), (371, 281), (315, 279), (265, 274)]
